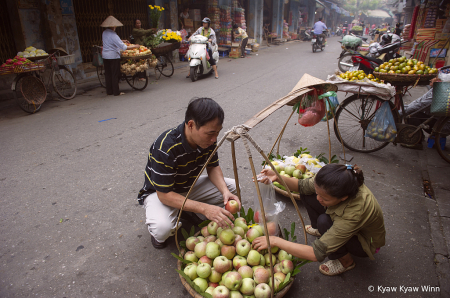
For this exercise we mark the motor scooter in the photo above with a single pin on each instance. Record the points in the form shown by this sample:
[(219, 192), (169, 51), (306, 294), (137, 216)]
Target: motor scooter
[(318, 42), (198, 56)]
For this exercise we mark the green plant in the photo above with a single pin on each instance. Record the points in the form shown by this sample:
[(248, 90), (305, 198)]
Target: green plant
[(323, 159), (155, 14), (301, 151)]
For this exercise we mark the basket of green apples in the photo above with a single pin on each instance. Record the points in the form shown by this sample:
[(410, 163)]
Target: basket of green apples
[(301, 165), (220, 263)]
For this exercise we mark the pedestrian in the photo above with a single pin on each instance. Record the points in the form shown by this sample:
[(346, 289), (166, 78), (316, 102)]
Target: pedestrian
[(239, 32), (206, 31), (183, 16), (112, 46), (397, 30), (174, 162), (344, 214), (140, 33)]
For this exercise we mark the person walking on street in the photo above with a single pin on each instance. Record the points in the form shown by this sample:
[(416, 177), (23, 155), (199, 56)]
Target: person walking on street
[(174, 162), (239, 32), (112, 46)]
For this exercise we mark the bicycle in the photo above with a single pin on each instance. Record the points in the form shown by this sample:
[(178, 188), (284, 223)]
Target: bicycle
[(31, 88), (357, 111)]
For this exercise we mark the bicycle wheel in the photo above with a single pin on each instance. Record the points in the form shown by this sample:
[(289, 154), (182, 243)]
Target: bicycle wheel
[(165, 66), (345, 62), (135, 81), (101, 75), (439, 133), (64, 83), (352, 118), (30, 93)]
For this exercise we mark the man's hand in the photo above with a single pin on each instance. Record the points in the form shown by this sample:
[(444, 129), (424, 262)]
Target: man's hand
[(210, 40), (229, 196), (219, 215)]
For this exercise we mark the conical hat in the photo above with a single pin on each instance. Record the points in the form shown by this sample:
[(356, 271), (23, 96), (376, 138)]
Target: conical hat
[(310, 81), (111, 22)]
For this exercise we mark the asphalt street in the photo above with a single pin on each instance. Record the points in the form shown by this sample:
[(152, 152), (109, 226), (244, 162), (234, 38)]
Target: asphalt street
[(70, 222)]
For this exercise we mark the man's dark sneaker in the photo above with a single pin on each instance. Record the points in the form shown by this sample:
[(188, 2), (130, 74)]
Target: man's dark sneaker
[(158, 245)]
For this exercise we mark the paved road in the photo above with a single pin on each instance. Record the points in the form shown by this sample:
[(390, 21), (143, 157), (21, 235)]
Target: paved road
[(70, 222)]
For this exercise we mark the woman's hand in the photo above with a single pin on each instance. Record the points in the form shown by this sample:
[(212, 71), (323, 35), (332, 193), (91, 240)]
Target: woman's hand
[(260, 243), (210, 40), (270, 176)]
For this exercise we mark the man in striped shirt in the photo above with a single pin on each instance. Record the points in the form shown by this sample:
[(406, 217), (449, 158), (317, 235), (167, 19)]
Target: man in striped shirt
[(175, 161)]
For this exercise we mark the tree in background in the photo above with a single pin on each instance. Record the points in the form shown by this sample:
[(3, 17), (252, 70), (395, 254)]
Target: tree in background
[(362, 6)]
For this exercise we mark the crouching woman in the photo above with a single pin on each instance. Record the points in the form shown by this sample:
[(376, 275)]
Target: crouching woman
[(344, 215)]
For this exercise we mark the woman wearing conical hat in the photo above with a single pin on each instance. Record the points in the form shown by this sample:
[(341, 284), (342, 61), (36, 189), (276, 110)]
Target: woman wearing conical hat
[(112, 46)]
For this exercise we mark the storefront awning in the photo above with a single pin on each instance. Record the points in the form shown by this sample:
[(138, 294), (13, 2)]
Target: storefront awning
[(378, 13), (318, 3)]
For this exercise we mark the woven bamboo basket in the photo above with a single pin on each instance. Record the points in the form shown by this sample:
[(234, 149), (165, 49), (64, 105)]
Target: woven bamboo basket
[(286, 194), (194, 293), (395, 78), (162, 50)]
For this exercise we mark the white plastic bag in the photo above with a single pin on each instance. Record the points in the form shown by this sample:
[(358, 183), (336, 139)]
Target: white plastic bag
[(272, 208)]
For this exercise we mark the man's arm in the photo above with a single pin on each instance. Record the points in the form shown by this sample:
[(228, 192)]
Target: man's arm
[(215, 174), (214, 213)]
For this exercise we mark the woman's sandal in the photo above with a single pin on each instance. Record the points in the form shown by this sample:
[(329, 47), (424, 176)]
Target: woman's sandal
[(217, 77), (335, 268), (311, 231)]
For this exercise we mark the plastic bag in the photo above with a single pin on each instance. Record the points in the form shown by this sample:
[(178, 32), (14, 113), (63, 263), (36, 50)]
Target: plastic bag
[(351, 41), (382, 127), (311, 110), (272, 208), (331, 110)]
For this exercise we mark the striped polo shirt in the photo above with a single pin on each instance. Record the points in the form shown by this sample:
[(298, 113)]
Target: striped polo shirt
[(173, 164)]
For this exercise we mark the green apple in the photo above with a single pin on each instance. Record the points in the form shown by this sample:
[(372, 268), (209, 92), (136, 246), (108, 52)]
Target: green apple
[(191, 271), (227, 236), (204, 270), (212, 250), (253, 258), (283, 255), (248, 286), (201, 283)]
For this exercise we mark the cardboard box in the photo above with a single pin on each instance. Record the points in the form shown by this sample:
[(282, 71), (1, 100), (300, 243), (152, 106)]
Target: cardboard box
[(442, 36), (188, 22), (235, 44)]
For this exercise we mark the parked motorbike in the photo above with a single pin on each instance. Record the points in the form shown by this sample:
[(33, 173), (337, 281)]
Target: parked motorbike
[(198, 57), (318, 42), (368, 64), (306, 34), (345, 58), (338, 31)]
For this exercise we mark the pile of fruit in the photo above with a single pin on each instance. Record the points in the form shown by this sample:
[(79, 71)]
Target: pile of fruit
[(222, 262), (131, 67), (359, 75), (301, 165), (381, 134), (32, 52), (405, 66), (17, 62), (141, 51)]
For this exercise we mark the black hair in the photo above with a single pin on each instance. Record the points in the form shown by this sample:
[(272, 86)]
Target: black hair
[(320, 19), (338, 181), (203, 110), (235, 26), (134, 23)]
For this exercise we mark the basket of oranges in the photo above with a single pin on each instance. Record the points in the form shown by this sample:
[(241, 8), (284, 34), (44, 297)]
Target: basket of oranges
[(402, 70)]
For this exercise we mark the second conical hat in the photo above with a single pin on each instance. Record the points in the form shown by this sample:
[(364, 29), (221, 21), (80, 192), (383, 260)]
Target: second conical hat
[(111, 22), (309, 81)]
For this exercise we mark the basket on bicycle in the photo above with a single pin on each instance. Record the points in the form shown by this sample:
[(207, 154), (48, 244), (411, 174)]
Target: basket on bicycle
[(405, 78), (165, 48)]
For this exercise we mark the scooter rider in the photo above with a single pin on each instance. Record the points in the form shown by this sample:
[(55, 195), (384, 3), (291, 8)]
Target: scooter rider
[(209, 33), (318, 28)]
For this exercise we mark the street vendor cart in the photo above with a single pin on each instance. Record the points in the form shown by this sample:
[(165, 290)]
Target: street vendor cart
[(37, 75)]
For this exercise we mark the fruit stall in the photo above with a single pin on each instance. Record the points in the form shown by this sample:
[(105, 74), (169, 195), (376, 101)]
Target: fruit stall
[(206, 262)]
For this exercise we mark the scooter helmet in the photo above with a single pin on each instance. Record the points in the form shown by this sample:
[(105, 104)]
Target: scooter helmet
[(206, 20), (386, 38)]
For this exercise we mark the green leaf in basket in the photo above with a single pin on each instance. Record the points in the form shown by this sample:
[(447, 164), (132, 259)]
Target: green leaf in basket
[(297, 268), (285, 282), (204, 224), (286, 234), (185, 234), (242, 212), (249, 217), (183, 244), (192, 232), (189, 281), (180, 258), (293, 232)]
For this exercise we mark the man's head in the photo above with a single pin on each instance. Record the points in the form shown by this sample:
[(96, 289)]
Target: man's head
[(206, 22), (320, 19), (203, 122)]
